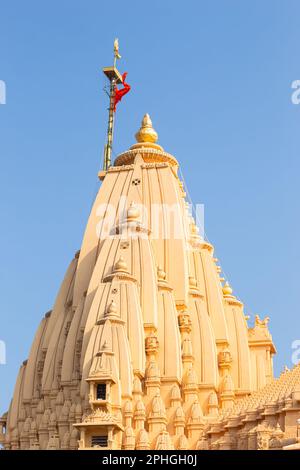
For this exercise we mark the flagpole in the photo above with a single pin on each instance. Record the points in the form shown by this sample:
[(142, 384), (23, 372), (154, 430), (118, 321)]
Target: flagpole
[(110, 127), (114, 78)]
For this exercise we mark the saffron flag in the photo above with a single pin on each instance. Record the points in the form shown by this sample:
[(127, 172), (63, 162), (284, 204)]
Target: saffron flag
[(119, 93)]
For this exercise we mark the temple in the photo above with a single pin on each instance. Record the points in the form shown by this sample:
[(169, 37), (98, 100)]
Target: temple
[(146, 347)]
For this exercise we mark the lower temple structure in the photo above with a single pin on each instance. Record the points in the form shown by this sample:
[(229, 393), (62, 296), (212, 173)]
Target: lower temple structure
[(146, 346)]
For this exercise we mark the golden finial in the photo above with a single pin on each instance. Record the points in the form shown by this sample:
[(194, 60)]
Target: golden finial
[(133, 212), (112, 308), (146, 132), (120, 265), (161, 274), (192, 281), (227, 289), (105, 345)]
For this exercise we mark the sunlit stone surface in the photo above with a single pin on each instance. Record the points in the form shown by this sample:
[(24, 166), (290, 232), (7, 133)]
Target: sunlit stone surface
[(146, 347)]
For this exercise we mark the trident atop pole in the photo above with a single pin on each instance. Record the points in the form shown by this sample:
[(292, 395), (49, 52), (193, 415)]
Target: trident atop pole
[(115, 95), (116, 51)]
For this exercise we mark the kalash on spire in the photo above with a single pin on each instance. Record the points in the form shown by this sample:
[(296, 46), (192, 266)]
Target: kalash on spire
[(145, 347)]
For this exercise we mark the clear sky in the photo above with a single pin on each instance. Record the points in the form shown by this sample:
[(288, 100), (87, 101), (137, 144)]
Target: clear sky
[(215, 77)]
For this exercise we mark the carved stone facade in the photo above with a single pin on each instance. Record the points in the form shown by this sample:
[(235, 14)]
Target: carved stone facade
[(145, 347)]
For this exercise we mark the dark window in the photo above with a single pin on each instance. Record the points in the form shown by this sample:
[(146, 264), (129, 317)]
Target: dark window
[(101, 441), (101, 392)]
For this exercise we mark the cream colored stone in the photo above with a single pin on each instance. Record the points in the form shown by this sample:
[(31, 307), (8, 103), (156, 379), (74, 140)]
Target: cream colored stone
[(145, 348)]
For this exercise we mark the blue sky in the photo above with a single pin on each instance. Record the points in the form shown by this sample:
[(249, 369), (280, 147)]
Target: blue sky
[(216, 79)]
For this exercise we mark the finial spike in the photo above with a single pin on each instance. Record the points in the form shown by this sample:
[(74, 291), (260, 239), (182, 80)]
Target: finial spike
[(146, 133)]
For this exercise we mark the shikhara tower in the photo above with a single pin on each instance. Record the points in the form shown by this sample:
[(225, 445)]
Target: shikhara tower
[(145, 348)]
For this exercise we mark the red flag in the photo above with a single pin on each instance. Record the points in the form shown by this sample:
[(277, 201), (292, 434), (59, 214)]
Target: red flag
[(120, 93)]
